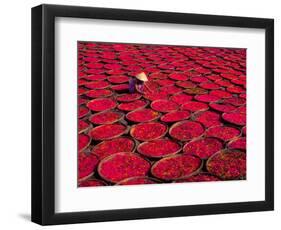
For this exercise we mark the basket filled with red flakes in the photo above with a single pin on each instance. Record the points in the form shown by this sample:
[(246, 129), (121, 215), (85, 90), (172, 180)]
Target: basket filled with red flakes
[(97, 93), (207, 118), (164, 106), (228, 165), (235, 118), (127, 97), (209, 85), (178, 76), (82, 101), (220, 93), (86, 165), (206, 98), (175, 116), (225, 133), (154, 96), (118, 79), (236, 101), (106, 117), (186, 130), (101, 104), (97, 85), (181, 98), (83, 126), (130, 106), (176, 167), (120, 87), (83, 111), (203, 147), (171, 89), (159, 148), (222, 107), (148, 131), (164, 82), (195, 106), (109, 131), (142, 115), (239, 143), (186, 84), (120, 166), (109, 147), (83, 141)]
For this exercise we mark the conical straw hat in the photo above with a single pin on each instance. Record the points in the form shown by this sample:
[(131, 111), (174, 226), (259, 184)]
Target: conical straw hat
[(142, 76)]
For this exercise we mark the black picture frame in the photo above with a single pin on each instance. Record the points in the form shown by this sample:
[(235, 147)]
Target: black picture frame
[(43, 114)]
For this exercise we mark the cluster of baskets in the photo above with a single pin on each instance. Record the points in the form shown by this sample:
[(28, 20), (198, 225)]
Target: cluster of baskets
[(189, 123)]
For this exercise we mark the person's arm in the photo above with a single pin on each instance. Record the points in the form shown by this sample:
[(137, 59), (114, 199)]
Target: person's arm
[(146, 86)]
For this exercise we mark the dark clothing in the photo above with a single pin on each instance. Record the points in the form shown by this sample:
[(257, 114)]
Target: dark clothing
[(135, 83)]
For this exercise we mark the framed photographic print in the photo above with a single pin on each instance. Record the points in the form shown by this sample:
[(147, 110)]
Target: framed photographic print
[(142, 114)]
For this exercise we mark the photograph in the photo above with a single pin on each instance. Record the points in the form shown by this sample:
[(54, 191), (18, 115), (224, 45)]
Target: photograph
[(156, 113), (141, 114)]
